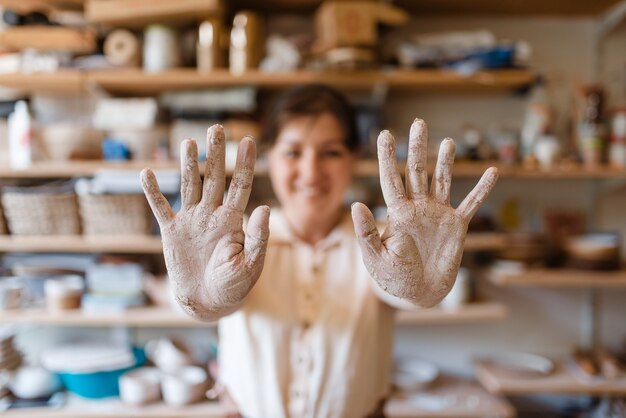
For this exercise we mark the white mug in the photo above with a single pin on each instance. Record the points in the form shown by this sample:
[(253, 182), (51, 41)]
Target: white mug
[(168, 355), (185, 386), (140, 386), (460, 292)]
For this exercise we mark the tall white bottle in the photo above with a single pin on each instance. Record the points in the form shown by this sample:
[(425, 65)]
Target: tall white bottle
[(20, 136)]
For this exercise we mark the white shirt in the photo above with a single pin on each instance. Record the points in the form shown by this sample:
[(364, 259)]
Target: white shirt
[(312, 339)]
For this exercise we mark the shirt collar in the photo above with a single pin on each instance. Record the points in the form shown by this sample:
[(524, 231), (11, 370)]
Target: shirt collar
[(281, 232)]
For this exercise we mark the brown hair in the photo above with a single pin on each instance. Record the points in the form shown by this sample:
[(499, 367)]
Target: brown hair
[(310, 100)]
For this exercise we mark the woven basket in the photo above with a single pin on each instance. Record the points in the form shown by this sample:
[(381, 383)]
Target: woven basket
[(40, 213), (121, 214)]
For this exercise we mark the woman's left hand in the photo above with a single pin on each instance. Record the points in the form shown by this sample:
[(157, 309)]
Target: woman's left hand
[(419, 253)]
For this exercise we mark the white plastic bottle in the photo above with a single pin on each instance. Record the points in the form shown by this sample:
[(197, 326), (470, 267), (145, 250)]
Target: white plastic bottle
[(538, 119), (20, 136)]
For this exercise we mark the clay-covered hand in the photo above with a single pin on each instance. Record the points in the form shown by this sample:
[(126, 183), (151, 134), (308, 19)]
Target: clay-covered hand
[(419, 253), (211, 262)]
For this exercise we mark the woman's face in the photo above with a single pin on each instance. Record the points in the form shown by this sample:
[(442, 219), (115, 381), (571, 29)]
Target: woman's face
[(311, 167)]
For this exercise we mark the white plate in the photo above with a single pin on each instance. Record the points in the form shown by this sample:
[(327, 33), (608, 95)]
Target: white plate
[(523, 363), (412, 374)]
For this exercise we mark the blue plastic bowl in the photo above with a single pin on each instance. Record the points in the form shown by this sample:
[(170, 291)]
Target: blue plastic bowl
[(98, 385)]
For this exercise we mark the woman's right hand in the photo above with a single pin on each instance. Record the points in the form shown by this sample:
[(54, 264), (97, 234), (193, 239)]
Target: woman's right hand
[(211, 262)]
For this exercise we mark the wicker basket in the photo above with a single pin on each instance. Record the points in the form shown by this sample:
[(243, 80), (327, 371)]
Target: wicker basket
[(37, 211), (121, 214)]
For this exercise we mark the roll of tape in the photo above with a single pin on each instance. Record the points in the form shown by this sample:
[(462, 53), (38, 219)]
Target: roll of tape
[(121, 47)]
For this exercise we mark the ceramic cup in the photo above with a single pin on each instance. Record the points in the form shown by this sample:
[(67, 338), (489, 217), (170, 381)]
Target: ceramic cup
[(140, 386), (184, 387), (63, 293), (34, 382), (168, 355), (12, 293), (460, 292)]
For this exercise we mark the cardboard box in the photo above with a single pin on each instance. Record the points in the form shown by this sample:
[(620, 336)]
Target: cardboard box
[(353, 24)]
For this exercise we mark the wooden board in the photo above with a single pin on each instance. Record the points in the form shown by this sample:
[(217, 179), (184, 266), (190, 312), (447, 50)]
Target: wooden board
[(46, 38), (138, 13), (460, 398), (561, 381), (561, 278)]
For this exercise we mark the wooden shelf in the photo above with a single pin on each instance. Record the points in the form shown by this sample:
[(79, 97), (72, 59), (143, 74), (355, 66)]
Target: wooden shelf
[(560, 278), (464, 399), (561, 381), (49, 38), (66, 169), (27, 6), (133, 244), (77, 407), (464, 393), (165, 317), (139, 82), (472, 312), (149, 316), (62, 81), (485, 241), (364, 168), (150, 244), (460, 7), (139, 13)]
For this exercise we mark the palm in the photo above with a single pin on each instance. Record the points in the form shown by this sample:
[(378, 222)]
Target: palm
[(211, 262), (419, 253)]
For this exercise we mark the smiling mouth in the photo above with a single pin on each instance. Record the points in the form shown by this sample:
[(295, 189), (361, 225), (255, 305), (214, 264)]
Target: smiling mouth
[(310, 191)]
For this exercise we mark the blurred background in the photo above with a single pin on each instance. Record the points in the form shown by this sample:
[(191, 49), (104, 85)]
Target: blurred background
[(92, 91)]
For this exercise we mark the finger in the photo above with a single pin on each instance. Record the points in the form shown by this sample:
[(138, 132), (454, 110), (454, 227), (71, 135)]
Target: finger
[(390, 181), (365, 228), (159, 205), (241, 183), (479, 193), (257, 234), (440, 187), (416, 173), (214, 171), (190, 183)]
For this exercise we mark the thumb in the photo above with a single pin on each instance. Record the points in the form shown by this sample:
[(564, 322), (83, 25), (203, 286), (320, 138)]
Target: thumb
[(365, 228), (257, 235)]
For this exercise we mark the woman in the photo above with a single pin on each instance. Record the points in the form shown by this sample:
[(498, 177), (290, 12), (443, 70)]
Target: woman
[(313, 336)]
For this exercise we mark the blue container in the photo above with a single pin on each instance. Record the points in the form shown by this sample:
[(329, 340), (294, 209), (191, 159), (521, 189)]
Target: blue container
[(98, 385)]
